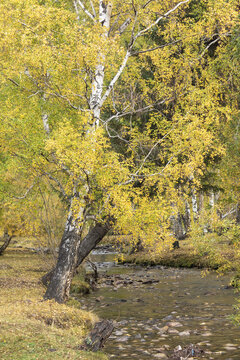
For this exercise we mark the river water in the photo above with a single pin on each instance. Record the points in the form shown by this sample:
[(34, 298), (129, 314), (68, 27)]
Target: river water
[(157, 309)]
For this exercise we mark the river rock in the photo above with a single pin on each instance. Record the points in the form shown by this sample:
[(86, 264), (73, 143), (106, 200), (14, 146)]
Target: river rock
[(174, 324), (207, 334), (178, 348), (231, 345), (124, 338), (173, 331), (229, 348), (118, 333), (184, 333)]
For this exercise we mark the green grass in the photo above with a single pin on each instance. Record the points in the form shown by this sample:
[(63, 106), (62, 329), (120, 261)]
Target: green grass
[(32, 329)]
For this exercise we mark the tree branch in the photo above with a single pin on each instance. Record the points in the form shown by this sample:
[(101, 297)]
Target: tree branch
[(128, 53), (58, 183), (26, 193), (79, 2), (142, 32), (155, 48), (116, 77), (145, 109)]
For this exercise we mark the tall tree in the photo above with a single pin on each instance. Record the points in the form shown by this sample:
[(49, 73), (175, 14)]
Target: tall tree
[(109, 101)]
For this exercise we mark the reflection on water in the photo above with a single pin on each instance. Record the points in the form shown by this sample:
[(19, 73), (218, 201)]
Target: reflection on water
[(159, 308)]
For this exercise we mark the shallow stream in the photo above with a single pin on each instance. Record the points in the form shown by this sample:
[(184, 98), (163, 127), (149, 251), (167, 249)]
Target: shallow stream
[(158, 308)]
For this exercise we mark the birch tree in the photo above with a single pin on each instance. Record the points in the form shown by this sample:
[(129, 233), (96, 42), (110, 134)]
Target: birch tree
[(105, 100)]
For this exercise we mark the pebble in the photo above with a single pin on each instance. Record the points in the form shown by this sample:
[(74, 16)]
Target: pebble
[(174, 324), (231, 345), (123, 338), (173, 331), (178, 348), (184, 333), (229, 348), (118, 333)]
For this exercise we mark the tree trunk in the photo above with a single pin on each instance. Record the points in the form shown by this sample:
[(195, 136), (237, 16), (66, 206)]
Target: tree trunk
[(95, 235), (187, 217), (59, 285), (6, 238), (179, 227), (72, 252), (194, 205)]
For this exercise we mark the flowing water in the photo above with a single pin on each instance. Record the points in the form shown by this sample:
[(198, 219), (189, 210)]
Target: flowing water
[(157, 309)]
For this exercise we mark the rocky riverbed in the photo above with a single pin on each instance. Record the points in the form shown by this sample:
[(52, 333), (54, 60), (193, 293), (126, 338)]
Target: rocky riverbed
[(165, 313)]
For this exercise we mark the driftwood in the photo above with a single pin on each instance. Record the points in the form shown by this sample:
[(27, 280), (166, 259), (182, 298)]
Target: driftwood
[(98, 336)]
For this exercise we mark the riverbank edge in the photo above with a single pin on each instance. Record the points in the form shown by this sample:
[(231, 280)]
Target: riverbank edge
[(32, 328), (185, 257)]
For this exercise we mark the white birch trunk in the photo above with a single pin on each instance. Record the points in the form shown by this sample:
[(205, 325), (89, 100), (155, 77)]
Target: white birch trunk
[(45, 119), (194, 205), (212, 199), (97, 84)]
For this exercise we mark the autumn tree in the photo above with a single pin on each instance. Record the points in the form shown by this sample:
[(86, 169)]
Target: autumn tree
[(111, 103)]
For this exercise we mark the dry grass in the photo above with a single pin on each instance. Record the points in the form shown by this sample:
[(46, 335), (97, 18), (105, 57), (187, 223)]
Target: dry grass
[(32, 329)]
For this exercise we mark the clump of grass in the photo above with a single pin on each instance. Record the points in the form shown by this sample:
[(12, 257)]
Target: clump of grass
[(33, 329)]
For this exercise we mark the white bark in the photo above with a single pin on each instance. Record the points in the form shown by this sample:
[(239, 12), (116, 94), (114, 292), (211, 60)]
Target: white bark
[(194, 205), (77, 3), (97, 85), (212, 199), (129, 51), (142, 32), (45, 123), (116, 77)]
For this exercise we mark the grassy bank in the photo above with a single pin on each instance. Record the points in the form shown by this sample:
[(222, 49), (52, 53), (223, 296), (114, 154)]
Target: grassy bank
[(221, 257), (32, 329)]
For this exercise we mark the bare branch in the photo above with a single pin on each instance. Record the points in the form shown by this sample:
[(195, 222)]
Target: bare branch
[(123, 27), (76, 9), (147, 3), (116, 77), (128, 52), (115, 136), (230, 212), (151, 150), (211, 43), (58, 183), (142, 32), (155, 48), (26, 193), (79, 2), (93, 9), (14, 82), (131, 112), (143, 176)]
